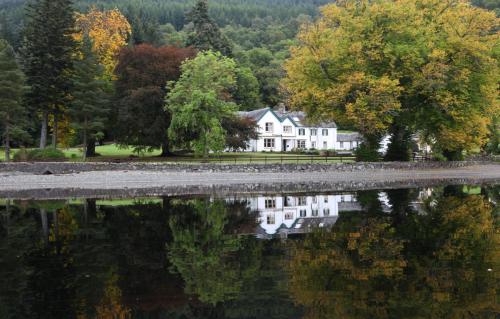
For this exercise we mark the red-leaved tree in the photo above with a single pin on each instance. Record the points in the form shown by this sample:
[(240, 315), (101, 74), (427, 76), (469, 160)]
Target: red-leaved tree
[(142, 74)]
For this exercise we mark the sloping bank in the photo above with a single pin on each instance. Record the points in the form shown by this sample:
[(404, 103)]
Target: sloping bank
[(63, 180), (70, 167)]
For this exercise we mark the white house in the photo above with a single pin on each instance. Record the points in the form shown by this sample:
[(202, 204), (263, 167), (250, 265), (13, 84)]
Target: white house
[(285, 215), (282, 131)]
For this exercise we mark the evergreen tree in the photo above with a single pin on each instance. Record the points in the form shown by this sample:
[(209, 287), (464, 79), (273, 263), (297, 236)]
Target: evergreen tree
[(206, 35), (89, 107), (48, 50), (12, 113)]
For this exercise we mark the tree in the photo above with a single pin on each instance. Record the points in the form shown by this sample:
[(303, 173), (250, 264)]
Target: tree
[(247, 94), (142, 74), (206, 35), (12, 112), (109, 31), (200, 100), (423, 65), (239, 130), (90, 100), (48, 52)]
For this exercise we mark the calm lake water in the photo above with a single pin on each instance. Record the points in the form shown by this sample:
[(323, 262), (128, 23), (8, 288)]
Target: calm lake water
[(407, 253)]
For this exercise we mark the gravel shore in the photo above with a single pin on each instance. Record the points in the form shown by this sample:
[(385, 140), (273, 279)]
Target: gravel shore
[(115, 181)]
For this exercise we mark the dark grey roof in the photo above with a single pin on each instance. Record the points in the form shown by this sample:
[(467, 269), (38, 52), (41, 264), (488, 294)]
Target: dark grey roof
[(297, 117), (349, 137)]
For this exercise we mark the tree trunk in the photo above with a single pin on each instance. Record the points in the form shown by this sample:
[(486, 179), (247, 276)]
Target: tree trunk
[(90, 149), (54, 131), (400, 146), (165, 148), (85, 140), (7, 142), (43, 133)]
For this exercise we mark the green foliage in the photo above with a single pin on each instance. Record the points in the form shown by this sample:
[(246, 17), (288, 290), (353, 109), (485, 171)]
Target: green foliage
[(42, 154), (48, 52), (200, 100), (89, 111), (368, 150), (206, 34), (247, 94), (12, 111)]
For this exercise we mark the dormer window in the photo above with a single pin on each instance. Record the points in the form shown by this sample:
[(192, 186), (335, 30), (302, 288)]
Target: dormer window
[(287, 129), (269, 127)]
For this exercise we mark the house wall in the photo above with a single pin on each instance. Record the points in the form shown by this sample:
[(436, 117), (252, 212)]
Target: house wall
[(289, 140), (288, 209), (347, 146)]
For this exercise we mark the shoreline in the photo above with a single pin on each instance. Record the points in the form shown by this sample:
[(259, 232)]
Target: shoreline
[(145, 183)]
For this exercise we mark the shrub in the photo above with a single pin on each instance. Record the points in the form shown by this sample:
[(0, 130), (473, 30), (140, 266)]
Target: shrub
[(365, 153), (46, 154)]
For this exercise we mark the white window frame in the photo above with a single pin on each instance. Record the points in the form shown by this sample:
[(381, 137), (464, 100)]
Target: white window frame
[(326, 212), (315, 213), (313, 144), (325, 144), (269, 127), (301, 144), (269, 143), (288, 215), (302, 132), (270, 203), (314, 131), (287, 129), (302, 201), (303, 213), (324, 132), (271, 219)]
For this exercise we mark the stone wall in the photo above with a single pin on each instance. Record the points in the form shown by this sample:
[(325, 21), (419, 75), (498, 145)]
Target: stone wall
[(68, 168)]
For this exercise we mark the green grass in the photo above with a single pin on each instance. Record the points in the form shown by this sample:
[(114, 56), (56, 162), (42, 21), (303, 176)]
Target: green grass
[(112, 152)]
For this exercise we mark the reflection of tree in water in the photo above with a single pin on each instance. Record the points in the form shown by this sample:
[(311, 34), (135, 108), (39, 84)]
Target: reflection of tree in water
[(436, 268), (203, 252)]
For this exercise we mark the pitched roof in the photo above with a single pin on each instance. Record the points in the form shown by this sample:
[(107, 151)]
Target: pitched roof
[(297, 118), (349, 137)]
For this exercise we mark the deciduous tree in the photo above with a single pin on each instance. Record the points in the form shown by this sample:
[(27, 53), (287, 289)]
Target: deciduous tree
[(425, 65), (142, 74), (200, 100), (109, 31)]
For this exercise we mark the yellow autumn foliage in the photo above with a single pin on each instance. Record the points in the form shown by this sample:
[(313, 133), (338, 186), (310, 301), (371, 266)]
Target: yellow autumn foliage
[(109, 31), (365, 63)]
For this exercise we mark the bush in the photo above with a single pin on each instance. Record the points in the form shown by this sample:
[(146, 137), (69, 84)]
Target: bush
[(364, 153), (46, 154)]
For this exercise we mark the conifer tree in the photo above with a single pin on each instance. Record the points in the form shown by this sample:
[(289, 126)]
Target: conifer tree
[(89, 106), (12, 112), (48, 50), (207, 35)]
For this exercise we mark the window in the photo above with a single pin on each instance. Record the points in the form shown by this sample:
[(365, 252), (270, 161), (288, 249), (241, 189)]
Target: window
[(270, 203), (302, 213), (287, 129), (271, 220), (325, 145), (269, 142), (313, 144), (301, 144), (325, 132), (269, 127), (302, 201), (315, 200), (302, 131), (326, 199), (314, 213), (314, 132), (341, 144), (288, 216), (326, 212)]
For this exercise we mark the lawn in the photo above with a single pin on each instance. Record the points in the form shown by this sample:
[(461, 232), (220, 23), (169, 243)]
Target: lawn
[(111, 152)]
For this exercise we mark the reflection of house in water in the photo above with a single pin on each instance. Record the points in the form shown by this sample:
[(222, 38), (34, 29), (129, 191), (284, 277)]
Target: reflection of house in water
[(286, 215)]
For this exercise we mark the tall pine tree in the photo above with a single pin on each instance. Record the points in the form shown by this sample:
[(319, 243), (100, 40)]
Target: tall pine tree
[(48, 50), (207, 35), (12, 112), (90, 98)]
